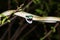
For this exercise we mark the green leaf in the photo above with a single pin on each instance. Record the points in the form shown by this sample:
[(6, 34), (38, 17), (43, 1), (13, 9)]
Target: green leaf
[(34, 1), (3, 21), (0, 21), (41, 38), (38, 1), (8, 20), (53, 29), (39, 11)]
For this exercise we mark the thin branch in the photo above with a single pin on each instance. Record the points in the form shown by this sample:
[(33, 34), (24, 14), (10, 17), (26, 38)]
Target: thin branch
[(46, 30), (50, 31), (18, 32), (28, 32), (7, 29), (7, 21), (9, 4), (28, 5)]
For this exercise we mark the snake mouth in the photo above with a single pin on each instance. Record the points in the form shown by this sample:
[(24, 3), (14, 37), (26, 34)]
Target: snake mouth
[(29, 19)]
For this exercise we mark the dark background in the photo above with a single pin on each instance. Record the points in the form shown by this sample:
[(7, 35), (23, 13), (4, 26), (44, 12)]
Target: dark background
[(28, 32)]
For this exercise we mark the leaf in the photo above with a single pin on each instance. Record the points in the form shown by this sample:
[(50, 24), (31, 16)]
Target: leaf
[(39, 11), (53, 29), (8, 21), (36, 1), (41, 38), (3, 21), (27, 6), (0, 21)]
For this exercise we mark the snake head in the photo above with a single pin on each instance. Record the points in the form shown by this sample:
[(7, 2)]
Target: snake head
[(29, 19)]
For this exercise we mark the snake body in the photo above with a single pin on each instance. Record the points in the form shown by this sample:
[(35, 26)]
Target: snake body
[(35, 17)]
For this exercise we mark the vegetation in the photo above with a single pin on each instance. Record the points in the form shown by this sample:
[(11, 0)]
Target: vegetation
[(41, 8)]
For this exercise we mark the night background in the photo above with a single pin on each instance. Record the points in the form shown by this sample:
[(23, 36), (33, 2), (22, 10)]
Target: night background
[(19, 29)]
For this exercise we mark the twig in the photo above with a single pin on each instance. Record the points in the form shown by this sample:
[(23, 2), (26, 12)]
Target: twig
[(18, 32), (50, 31), (7, 29), (27, 4), (28, 32), (45, 30), (7, 21), (9, 4)]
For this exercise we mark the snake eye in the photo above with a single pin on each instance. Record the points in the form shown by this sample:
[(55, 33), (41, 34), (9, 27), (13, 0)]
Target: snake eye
[(29, 19)]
